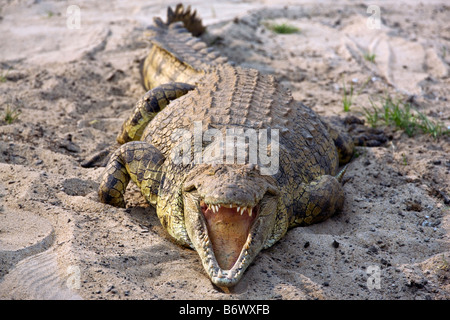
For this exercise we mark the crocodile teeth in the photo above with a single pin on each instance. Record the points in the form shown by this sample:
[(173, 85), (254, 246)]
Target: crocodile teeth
[(216, 207)]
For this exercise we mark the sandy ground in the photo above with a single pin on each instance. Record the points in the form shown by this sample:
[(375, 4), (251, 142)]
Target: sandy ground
[(74, 87)]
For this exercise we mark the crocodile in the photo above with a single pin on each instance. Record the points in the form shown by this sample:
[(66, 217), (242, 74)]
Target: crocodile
[(178, 143)]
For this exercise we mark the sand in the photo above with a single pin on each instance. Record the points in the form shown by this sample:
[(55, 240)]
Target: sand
[(75, 86)]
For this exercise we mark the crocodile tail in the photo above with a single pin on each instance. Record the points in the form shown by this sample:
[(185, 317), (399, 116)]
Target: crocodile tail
[(190, 20), (176, 55)]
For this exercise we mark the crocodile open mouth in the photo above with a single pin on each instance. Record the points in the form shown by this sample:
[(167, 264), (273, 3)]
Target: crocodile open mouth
[(228, 235), (228, 227)]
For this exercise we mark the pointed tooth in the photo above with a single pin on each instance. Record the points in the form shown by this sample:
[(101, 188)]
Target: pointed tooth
[(242, 210), (238, 208), (231, 206), (250, 211)]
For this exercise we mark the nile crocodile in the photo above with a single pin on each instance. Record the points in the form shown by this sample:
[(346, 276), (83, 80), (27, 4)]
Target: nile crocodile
[(176, 147)]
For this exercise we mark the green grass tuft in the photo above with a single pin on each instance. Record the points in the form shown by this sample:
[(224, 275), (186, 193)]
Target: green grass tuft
[(10, 114), (283, 28), (3, 76), (369, 57), (402, 116), (347, 99)]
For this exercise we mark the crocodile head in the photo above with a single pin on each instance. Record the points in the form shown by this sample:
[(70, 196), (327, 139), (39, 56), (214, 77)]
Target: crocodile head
[(230, 214)]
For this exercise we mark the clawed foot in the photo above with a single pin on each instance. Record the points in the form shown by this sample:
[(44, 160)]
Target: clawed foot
[(363, 135)]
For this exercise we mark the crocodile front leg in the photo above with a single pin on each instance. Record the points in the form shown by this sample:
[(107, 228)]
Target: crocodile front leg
[(318, 200), (148, 106), (138, 161)]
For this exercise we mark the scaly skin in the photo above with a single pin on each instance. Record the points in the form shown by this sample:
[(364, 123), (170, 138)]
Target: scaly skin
[(227, 211)]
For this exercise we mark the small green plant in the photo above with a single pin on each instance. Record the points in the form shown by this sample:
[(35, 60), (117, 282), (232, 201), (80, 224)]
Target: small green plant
[(348, 97), (283, 28), (444, 265), (402, 116), (404, 160), (369, 57), (10, 114), (430, 127), (372, 117), (3, 76)]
